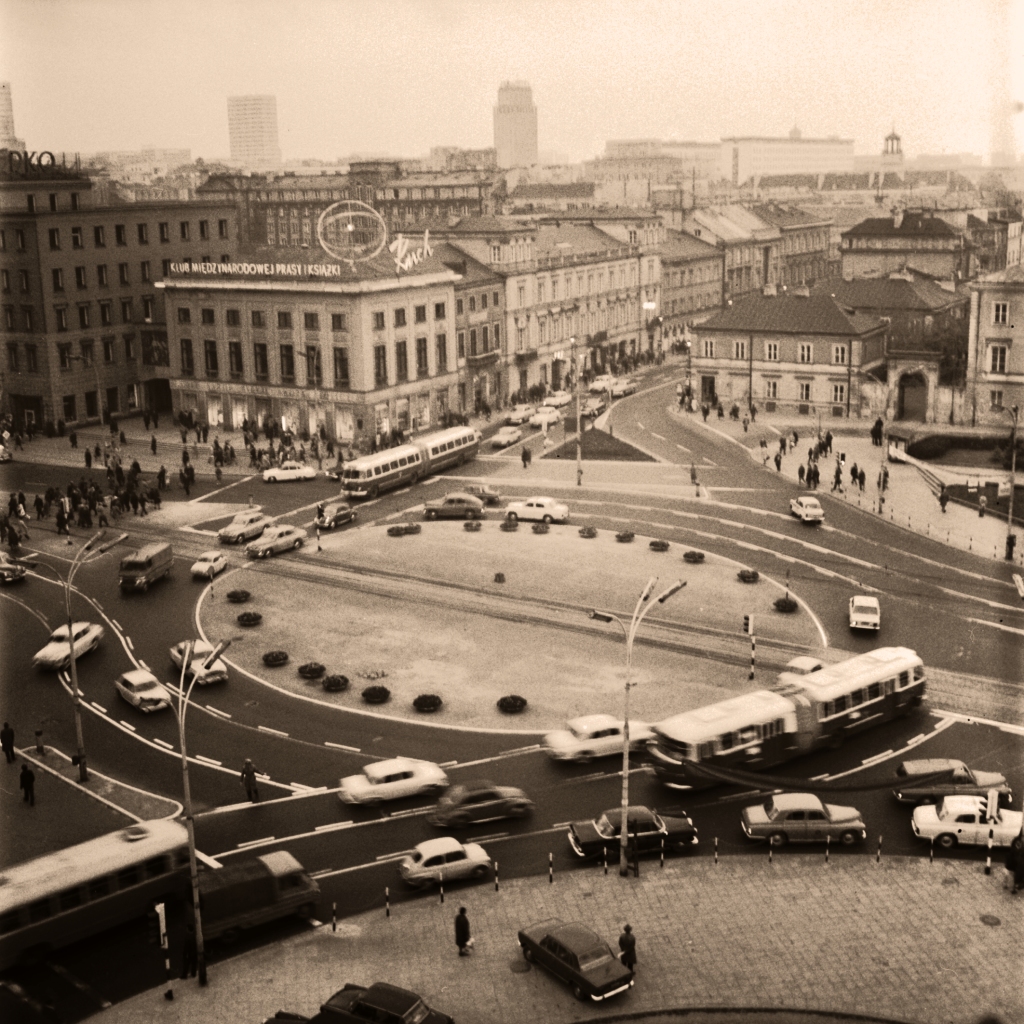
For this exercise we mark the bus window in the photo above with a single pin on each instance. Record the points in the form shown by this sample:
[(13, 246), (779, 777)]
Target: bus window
[(705, 751), (918, 672), (403, 462), (127, 877), (435, 450), (841, 703), (99, 887), (70, 898), (9, 922), (39, 911), (376, 470), (726, 741), (749, 733), (874, 691), (157, 866), (857, 698), (903, 681)]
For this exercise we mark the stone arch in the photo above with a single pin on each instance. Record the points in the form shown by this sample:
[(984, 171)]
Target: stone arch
[(913, 397)]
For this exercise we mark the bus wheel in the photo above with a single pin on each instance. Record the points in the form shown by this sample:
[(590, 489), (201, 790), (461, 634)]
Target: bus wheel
[(373, 492), (836, 741)]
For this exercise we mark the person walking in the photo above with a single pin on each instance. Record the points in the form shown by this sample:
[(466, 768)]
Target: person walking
[(39, 507), (249, 781), (861, 478), (27, 782), (152, 444), (627, 946), (778, 463), (800, 474), (526, 456), (693, 473), (704, 410), (189, 953), (463, 939), (837, 480), (7, 742), (88, 459), (943, 498), (854, 474)]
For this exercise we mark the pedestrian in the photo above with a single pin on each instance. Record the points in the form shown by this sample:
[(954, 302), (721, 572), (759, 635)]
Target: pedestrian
[(837, 480), (693, 473), (152, 444), (526, 456), (1015, 863), (39, 507), (704, 410), (27, 781), (121, 438), (462, 937), (627, 945), (145, 418), (854, 475), (796, 439), (943, 498), (746, 423), (753, 413), (73, 438), (815, 476), (206, 432), (248, 777), (778, 463), (782, 445), (189, 953), (161, 479), (982, 504), (800, 474), (885, 479), (7, 742), (88, 459), (721, 411), (861, 478)]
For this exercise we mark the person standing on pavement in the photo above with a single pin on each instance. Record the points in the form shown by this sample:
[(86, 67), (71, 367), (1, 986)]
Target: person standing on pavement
[(7, 742), (778, 462), (853, 475), (627, 945), (463, 939), (800, 475), (152, 444), (693, 473), (943, 498), (39, 507), (837, 480), (861, 478), (249, 781), (88, 459), (526, 457), (27, 782)]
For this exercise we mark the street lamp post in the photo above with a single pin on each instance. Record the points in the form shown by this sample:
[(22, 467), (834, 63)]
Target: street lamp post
[(639, 612), (1011, 539), (579, 434)]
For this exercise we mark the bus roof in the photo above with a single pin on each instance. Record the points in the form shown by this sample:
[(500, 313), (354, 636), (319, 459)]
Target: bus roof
[(35, 879), (387, 455), (854, 673), (445, 435), (703, 724)]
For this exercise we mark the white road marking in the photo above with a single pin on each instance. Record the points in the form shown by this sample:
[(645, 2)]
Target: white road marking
[(682, 447), (447, 764), (640, 425), (163, 743), (877, 757), (142, 664), (99, 707), (490, 760), (221, 490), (658, 436), (128, 641), (954, 716), (997, 625), (334, 826), (128, 725), (341, 746), (117, 625), (216, 711), (943, 724), (490, 839), (392, 856), (208, 760), (273, 732), (413, 812), (255, 842)]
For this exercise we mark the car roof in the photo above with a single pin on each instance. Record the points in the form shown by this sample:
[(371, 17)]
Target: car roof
[(473, 786), (383, 996), (208, 556), (808, 499), (461, 494), (247, 516), (637, 812), (964, 804), (75, 627), (577, 937), (864, 599), (444, 844), (139, 675), (796, 801), (378, 769), (587, 723), (928, 765)]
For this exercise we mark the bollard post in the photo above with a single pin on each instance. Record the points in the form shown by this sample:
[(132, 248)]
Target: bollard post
[(551, 869), (318, 548), (387, 902), (753, 653), (827, 839), (878, 856), (970, 543), (440, 887), (495, 876), (251, 503), (334, 917), (769, 853), (931, 851), (716, 849), (39, 742), (605, 859), (663, 852), (988, 858)]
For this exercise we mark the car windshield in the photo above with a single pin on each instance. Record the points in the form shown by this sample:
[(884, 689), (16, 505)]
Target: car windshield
[(605, 827), (593, 957), (769, 807), (578, 733), (863, 606), (417, 1013)]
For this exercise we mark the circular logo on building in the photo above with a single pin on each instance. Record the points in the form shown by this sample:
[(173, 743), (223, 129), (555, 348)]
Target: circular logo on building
[(351, 231)]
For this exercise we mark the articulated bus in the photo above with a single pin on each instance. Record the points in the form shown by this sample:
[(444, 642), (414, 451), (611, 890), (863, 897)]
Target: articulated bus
[(370, 475), (63, 897), (797, 715)]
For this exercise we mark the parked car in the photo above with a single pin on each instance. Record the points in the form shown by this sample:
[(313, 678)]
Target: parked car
[(444, 860), (245, 526), (558, 399), (6, 455), (506, 436), (457, 505), (591, 736), (201, 650), (485, 492), (545, 510), (10, 570), (55, 654), (208, 564), (803, 665), (966, 821), (802, 818), (928, 779), (142, 690), (807, 509), (392, 780), (545, 416), (338, 513), (276, 539), (519, 414), (865, 612), (381, 1002), (479, 800), (289, 470), (593, 407), (621, 388), (646, 832), (601, 384)]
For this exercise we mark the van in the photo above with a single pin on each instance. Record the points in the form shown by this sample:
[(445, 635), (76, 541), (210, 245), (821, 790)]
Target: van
[(147, 565)]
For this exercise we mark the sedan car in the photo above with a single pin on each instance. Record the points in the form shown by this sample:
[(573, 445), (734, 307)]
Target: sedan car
[(392, 780), (807, 509), (928, 779), (10, 570), (646, 831), (865, 612), (519, 414), (594, 736), (208, 564), (545, 416), (380, 1002), (506, 436), (485, 492), (6, 455), (289, 471), (444, 860), (802, 818), (337, 514), (276, 539), (479, 800), (201, 650), (558, 399), (576, 955), (245, 526), (543, 510), (967, 820), (142, 690), (457, 505), (621, 388), (55, 654), (601, 384), (593, 407)]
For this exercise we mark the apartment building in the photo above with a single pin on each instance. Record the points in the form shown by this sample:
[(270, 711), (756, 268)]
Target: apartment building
[(692, 281), (920, 240), (995, 347), (804, 245)]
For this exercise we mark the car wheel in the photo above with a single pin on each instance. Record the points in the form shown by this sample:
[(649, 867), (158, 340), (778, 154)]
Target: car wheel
[(271, 479), (518, 811), (457, 820), (849, 838), (430, 514), (577, 991), (511, 517), (373, 492), (528, 955), (778, 839), (947, 840), (479, 871), (584, 757), (548, 520)]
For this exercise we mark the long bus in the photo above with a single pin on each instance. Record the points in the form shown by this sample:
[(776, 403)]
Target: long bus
[(797, 715), (371, 475), (64, 897)]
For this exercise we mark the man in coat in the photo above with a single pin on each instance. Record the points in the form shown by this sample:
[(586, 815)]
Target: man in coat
[(627, 944), (27, 782), (7, 742), (462, 936)]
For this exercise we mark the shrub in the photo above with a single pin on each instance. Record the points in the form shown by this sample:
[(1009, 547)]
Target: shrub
[(275, 659), (335, 684), (250, 619), (427, 702), (238, 596), (659, 545), (541, 528), (510, 525), (588, 532), (786, 604), (932, 447), (625, 537), (376, 694), (513, 704), (312, 670), (749, 575), (693, 557), (397, 531), (413, 528), (499, 577), (472, 525)]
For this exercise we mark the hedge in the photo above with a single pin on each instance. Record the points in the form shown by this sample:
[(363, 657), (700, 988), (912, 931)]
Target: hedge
[(513, 704)]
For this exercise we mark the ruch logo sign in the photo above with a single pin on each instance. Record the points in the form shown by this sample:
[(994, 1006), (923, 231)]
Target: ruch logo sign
[(405, 256)]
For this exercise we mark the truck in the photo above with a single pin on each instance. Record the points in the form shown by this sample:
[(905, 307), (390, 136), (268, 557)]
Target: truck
[(252, 892)]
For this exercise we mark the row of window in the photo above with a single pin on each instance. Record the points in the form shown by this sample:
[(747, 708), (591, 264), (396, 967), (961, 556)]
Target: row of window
[(701, 274), (99, 234), (61, 314), (805, 351), (30, 201), (400, 319), (805, 391), (692, 301), (473, 301), (233, 318)]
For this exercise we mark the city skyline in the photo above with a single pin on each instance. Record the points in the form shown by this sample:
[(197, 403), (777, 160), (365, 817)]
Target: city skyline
[(599, 71)]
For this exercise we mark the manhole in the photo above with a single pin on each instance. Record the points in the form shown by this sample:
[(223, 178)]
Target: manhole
[(519, 966), (991, 920)]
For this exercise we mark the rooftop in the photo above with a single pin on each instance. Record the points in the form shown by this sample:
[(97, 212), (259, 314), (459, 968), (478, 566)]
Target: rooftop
[(786, 215), (891, 293), (910, 225), (678, 245), (792, 314)]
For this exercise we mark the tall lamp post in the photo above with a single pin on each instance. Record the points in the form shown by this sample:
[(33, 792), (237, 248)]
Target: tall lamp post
[(579, 433), (1011, 537), (639, 612), (179, 713), (67, 581)]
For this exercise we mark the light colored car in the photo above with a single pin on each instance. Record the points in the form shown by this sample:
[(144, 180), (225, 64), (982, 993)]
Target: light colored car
[(55, 654), (392, 780), (558, 399), (457, 505), (208, 564), (966, 820), (444, 860), (545, 416), (289, 471), (593, 736), (276, 539), (506, 436), (807, 509), (519, 414), (201, 650), (245, 526), (865, 613), (601, 384), (487, 493), (593, 407), (142, 690), (802, 818), (803, 665), (621, 388), (545, 510)]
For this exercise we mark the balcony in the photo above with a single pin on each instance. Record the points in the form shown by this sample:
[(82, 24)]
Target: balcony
[(485, 358), (526, 356)]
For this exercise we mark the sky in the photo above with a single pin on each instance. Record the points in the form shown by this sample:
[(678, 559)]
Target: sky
[(399, 76)]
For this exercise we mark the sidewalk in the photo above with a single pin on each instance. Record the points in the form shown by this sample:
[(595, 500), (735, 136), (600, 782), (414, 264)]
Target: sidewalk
[(900, 940)]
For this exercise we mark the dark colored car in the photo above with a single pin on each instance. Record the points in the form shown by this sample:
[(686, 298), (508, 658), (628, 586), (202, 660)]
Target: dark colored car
[(10, 571), (579, 957), (488, 494), (337, 514), (381, 1002), (479, 801), (929, 779), (647, 830), (458, 505)]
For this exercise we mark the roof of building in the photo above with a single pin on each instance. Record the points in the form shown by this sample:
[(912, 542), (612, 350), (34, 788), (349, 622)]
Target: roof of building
[(678, 245), (786, 215), (922, 294), (553, 190), (559, 238), (911, 225), (733, 223), (1011, 275), (485, 224), (625, 213), (791, 314), (472, 271)]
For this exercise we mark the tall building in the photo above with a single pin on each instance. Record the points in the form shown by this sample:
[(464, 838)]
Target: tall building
[(7, 137), (749, 157), (515, 125), (252, 131)]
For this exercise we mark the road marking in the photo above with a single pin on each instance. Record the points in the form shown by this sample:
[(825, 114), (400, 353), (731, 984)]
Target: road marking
[(877, 757), (99, 707), (341, 746), (411, 813), (117, 625), (128, 641), (658, 436), (301, 787), (492, 838), (128, 725), (221, 490), (273, 732), (208, 760), (641, 426), (334, 826), (709, 462), (917, 739), (561, 824), (144, 665), (497, 757), (943, 724), (216, 711), (447, 764), (392, 856), (954, 716), (682, 447), (998, 625), (255, 842), (163, 743)]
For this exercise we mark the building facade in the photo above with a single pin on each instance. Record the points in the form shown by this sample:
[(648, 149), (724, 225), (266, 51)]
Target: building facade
[(804, 246), (692, 282), (252, 131), (515, 125), (920, 241), (746, 157), (995, 352)]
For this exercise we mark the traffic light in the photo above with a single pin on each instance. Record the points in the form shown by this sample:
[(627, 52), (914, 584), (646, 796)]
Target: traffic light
[(748, 624)]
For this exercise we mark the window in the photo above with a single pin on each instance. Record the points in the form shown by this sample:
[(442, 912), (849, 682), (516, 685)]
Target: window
[(129, 346), (438, 310), (127, 315), (284, 320), (106, 316), (399, 317), (839, 355), (64, 356), (995, 400), (522, 295), (208, 316), (235, 358), (187, 365), (771, 389), (54, 238), (165, 268), (441, 352), (5, 280), (709, 348), (101, 275), (458, 307), (19, 239), (838, 392), (87, 353), (1000, 310), (99, 237), (233, 318), (287, 363), (483, 300), (460, 345), (12, 358), (144, 270), (9, 318), (420, 314), (122, 273), (338, 322), (77, 241), (259, 360), (108, 350), (23, 281), (997, 359), (805, 391), (143, 234), (495, 253), (83, 315), (27, 313), (210, 353), (380, 365), (311, 321), (341, 379), (121, 234), (401, 360), (771, 350), (165, 231), (257, 319), (60, 316), (204, 229), (183, 228), (58, 279), (378, 321), (739, 350), (422, 366), (147, 308), (222, 229), (31, 359), (472, 303), (806, 354)]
